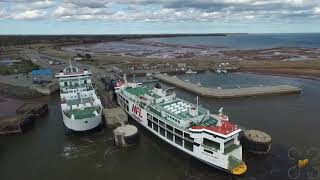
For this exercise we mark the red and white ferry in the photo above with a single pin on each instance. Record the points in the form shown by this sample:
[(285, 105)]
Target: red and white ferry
[(208, 137)]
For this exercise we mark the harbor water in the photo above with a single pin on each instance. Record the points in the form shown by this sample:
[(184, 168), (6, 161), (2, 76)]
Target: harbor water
[(46, 153), (248, 41)]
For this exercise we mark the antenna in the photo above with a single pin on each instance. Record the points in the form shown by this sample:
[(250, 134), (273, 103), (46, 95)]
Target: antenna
[(71, 68), (197, 105), (221, 111)]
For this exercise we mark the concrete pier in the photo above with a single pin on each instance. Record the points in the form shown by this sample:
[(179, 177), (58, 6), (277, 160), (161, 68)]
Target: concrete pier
[(126, 135), (47, 89), (25, 116), (115, 117), (227, 93), (256, 141)]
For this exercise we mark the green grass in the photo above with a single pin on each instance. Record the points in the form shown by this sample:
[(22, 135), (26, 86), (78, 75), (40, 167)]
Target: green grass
[(23, 67)]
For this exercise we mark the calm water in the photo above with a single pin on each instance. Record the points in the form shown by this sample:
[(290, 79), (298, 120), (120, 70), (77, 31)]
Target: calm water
[(46, 153), (248, 41)]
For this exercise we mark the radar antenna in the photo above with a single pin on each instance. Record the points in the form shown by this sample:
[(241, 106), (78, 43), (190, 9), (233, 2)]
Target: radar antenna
[(221, 111)]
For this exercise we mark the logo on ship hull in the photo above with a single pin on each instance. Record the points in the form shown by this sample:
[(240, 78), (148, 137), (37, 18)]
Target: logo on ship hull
[(137, 112)]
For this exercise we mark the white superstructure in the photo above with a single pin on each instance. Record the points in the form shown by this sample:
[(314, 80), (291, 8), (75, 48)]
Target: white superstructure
[(81, 108)]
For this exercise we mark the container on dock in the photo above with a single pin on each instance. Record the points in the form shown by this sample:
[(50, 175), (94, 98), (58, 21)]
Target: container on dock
[(256, 141), (126, 135)]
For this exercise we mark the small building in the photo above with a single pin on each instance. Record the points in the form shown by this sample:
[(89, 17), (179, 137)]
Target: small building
[(42, 76)]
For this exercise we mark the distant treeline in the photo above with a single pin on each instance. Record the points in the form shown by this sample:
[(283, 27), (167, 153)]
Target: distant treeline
[(18, 40)]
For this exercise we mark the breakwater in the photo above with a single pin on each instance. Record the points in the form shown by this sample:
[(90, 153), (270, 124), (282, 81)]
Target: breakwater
[(228, 93)]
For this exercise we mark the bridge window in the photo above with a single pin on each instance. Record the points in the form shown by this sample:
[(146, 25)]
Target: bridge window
[(210, 144), (229, 143)]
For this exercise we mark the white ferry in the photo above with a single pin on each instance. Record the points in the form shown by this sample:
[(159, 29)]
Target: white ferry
[(81, 108), (210, 138)]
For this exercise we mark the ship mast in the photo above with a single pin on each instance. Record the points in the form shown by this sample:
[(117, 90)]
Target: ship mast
[(197, 105)]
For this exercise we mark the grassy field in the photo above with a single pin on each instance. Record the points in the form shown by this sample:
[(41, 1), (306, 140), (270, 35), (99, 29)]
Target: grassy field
[(23, 67)]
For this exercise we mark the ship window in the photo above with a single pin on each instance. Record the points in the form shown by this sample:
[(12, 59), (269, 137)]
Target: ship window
[(162, 131), (196, 144), (161, 123), (155, 127), (178, 132), (188, 145), (149, 117), (211, 144), (155, 119), (178, 140), (187, 137), (149, 123), (208, 151), (229, 143), (169, 127), (169, 135)]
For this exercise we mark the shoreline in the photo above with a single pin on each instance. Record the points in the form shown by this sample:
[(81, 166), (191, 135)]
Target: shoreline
[(139, 48), (278, 72)]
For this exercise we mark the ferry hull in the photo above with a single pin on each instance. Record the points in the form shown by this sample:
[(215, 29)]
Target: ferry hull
[(190, 154), (82, 124), (217, 161)]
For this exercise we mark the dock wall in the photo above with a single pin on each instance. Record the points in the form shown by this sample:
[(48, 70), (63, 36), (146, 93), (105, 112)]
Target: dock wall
[(47, 89)]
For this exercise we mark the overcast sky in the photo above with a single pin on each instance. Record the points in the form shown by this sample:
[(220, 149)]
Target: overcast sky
[(158, 16)]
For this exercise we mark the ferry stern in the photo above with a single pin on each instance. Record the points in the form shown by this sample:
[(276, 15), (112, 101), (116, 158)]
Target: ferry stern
[(241, 169)]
